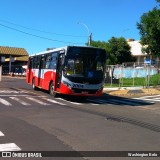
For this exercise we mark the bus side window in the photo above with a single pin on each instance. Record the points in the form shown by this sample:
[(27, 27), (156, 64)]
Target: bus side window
[(53, 63), (36, 62), (43, 63), (48, 60)]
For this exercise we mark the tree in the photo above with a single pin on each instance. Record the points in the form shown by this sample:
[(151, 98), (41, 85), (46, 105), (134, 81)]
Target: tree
[(121, 50), (117, 49), (149, 29)]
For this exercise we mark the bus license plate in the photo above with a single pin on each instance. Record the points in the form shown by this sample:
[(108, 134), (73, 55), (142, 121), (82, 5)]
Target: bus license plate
[(84, 92)]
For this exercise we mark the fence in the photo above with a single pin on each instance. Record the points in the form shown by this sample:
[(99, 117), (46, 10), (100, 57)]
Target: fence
[(131, 75)]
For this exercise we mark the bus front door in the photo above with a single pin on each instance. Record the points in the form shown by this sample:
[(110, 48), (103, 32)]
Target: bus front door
[(40, 71), (59, 70)]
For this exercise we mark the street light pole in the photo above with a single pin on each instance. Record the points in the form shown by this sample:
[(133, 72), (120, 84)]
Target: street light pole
[(89, 33)]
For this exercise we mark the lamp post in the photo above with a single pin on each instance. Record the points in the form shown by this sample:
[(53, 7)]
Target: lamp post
[(89, 33)]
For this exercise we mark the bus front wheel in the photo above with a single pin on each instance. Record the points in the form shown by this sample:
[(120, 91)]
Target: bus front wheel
[(51, 90)]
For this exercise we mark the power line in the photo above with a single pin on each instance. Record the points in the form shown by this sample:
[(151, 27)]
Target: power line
[(37, 35), (33, 29)]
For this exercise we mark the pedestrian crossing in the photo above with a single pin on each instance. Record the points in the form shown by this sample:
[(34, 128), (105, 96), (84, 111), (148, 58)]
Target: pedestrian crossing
[(27, 100), (8, 146), (153, 98)]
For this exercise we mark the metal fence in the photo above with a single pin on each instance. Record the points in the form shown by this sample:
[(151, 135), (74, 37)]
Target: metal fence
[(131, 75)]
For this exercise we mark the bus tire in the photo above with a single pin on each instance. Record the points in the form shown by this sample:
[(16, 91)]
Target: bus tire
[(51, 90), (33, 84)]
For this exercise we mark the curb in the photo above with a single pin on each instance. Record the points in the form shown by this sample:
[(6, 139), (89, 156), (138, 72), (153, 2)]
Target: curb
[(140, 91)]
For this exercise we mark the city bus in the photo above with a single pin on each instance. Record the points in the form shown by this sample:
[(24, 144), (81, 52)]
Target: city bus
[(70, 70)]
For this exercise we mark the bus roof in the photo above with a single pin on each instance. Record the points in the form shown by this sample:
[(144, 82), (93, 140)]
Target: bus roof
[(59, 49)]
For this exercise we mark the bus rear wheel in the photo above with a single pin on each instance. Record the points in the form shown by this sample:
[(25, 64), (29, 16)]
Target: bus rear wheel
[(51, 90)]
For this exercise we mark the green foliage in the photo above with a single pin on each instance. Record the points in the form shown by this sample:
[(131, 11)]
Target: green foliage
[(118, 50), (149, 28)]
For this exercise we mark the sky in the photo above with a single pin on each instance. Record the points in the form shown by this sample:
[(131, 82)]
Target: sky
[(40, 24)]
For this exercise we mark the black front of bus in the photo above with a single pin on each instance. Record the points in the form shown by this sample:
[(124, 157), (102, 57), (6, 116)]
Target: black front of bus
[(83, 71)]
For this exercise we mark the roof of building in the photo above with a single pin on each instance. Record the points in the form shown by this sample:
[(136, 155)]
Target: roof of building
[(13, 51)]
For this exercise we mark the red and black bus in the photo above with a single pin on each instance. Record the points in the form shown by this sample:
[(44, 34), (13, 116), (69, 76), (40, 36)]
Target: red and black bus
[(70, 70)]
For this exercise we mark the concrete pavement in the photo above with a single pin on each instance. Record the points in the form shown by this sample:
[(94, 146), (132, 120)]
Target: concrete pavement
[(131, 91)]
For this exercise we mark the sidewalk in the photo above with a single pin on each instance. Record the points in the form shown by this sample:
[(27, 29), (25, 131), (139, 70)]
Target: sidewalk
[(131, 91)]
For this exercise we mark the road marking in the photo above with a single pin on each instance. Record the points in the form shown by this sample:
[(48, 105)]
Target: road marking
[(147, 108), (16, 95), (123, 101), (11, 91), (1, 134), (20, 101), (153, 99), (70, 101), (9, 147), (53, 101), (116, 101), (156, 98), (37, 101), (3, 101), (147, 97)]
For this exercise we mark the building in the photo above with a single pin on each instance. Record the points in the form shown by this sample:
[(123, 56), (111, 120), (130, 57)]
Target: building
[(136, 51), (12, 59)]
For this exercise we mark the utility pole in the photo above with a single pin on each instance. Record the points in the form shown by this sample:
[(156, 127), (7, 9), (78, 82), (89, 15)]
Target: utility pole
[(90, 39)]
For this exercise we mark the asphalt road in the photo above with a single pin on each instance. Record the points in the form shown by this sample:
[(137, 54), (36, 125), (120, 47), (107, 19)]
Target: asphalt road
[(35, 121)]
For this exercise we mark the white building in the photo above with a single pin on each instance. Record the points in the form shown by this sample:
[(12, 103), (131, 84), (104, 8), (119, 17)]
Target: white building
[(136, 51)]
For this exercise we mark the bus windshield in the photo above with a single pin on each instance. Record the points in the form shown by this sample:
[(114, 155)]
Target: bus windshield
[(85, 64)]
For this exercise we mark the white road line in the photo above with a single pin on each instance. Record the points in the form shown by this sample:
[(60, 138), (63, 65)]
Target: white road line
[(1, 134), (141, 100), (11, 91), (17, 95), (147, 97), (53, 101), (9, 147), (37, 101), (157, 100), (113, 101), (70, 101), (123, 101), (147, 108), (3, 101), (20, 101)]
